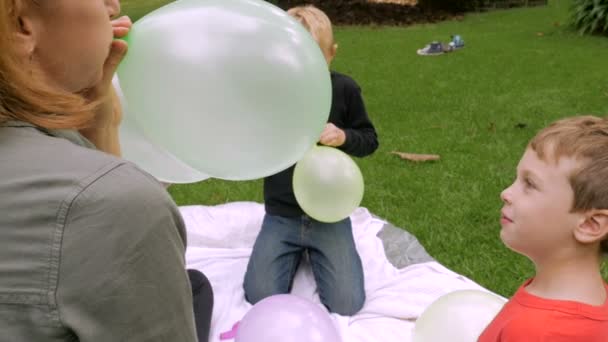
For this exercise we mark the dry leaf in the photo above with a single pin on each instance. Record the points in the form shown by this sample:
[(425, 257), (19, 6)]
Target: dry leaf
[(417, 157), (540, 34)]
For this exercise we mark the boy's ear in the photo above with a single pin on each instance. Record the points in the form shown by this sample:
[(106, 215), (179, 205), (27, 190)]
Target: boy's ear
[(329, 55), (594, 227)]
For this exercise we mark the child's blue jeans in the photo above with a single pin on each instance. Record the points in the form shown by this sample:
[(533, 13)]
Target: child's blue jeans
[(336, 265)]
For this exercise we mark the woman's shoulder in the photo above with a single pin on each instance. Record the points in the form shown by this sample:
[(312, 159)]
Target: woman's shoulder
[(63, 163)]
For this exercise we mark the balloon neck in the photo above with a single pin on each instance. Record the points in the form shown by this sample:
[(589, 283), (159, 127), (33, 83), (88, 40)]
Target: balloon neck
[(126, 38)]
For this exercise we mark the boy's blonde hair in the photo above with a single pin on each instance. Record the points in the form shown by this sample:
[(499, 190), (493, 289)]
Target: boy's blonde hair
[(24, 96), (318, 24), (584, 138)]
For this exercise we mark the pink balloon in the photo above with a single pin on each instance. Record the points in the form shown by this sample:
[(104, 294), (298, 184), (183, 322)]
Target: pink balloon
[(286, 318)]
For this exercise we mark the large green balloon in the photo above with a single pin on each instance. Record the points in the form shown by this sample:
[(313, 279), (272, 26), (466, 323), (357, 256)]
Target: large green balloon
[(328, 184), (459, 316), (148, 156), (235, 89)]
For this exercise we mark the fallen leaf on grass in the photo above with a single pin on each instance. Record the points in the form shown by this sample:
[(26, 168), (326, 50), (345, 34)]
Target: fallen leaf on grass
[(415, 157)]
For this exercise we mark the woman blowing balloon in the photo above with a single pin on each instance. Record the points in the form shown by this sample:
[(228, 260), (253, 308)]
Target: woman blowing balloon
[(91, 248)]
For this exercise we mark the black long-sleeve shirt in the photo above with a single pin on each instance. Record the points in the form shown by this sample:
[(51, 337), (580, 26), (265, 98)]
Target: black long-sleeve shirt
[(347, 113)]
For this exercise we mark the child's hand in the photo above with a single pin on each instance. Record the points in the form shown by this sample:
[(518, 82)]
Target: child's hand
[(108, 113), (332, 136)]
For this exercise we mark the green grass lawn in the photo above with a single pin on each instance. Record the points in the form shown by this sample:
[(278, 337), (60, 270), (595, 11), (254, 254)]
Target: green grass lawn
[(477, 108)]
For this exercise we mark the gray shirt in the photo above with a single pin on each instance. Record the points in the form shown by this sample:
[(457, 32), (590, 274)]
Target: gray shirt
[(91, 248)]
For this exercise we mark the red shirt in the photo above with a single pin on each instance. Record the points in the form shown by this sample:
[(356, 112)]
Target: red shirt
[(528, 318)]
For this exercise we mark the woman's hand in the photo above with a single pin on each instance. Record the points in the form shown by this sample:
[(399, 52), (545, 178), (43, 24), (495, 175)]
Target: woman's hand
[(103, 130), (106, 115)]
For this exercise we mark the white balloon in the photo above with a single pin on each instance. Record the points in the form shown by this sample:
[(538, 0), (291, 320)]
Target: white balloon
[(459, 316)]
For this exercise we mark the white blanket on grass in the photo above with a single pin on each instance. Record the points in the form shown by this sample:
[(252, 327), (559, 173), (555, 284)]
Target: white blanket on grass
[(220, 239)]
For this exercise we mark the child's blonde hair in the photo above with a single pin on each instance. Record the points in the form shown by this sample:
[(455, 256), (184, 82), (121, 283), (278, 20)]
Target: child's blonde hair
[(318, 24), (584, 138), (24, 96)]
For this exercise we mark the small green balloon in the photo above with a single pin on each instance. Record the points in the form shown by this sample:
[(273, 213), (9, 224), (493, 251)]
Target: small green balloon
[(327, 184)]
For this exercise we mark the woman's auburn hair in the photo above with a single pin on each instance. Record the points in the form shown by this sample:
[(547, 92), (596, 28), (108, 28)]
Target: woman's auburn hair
[(24, 95)]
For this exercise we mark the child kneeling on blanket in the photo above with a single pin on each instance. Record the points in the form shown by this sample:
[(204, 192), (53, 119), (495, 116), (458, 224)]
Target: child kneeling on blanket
[(556, 214), (286, 231)]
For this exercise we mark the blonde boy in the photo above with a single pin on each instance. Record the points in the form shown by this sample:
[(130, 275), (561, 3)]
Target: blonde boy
[(319, 26), (556, 214), (287, 232)]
